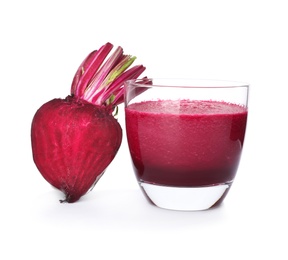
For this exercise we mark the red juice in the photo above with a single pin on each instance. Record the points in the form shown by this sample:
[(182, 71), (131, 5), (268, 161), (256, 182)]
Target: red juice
[(185, 143)]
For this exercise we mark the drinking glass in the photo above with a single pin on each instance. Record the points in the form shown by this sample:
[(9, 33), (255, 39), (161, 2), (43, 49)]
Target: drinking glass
[(185, 139)]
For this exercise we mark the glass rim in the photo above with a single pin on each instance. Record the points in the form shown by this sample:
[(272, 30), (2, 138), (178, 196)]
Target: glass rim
[(187, 83)]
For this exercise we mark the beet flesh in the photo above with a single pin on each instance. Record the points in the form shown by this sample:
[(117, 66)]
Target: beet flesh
[(73, 142)]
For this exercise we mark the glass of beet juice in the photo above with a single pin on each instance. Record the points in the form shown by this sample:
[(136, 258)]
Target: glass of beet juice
[(185, 139)]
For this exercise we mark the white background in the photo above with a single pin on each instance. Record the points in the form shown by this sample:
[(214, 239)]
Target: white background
[(43, 43)]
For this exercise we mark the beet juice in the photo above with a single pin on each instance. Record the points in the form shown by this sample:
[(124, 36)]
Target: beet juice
[(185, 143)]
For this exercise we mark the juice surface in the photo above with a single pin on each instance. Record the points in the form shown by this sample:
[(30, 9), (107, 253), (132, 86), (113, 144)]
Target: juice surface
[(185, 143)]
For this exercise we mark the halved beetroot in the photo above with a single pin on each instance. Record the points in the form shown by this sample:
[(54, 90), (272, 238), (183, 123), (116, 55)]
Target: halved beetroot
[(73, 143), (76, 138)]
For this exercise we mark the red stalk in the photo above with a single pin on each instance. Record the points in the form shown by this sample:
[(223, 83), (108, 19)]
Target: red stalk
[(88, 68), (116, 88), (95, 84), (100, 79)]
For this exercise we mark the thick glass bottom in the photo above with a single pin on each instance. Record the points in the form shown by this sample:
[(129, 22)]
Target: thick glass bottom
[(185, 198)]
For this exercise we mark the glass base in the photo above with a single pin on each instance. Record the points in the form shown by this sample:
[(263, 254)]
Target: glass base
[(185, 198)]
